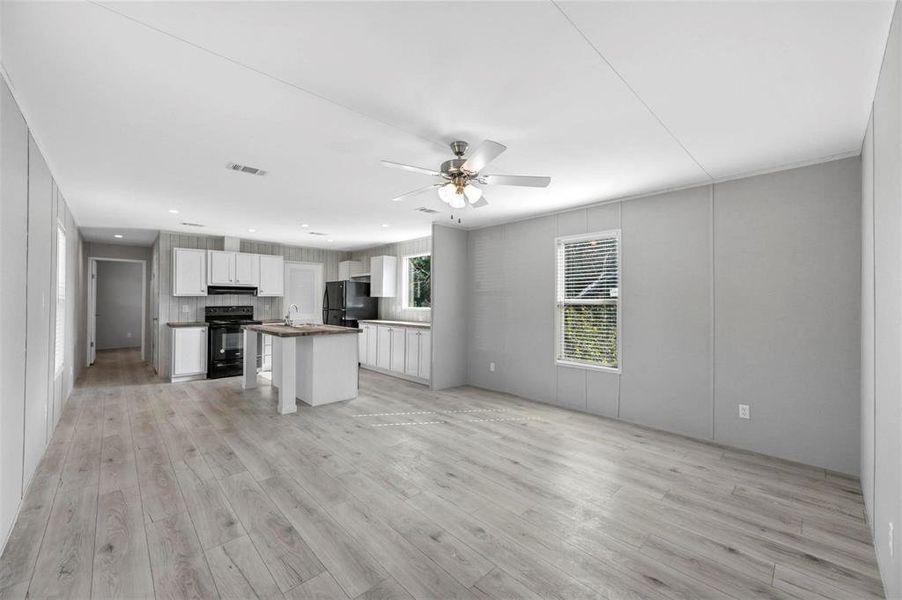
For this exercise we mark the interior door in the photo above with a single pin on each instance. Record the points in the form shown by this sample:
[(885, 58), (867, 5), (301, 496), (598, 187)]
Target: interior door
[(92, 314), (304, 287)]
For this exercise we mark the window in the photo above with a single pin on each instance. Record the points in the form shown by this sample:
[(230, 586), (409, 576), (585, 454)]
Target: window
[(418, 281), (60, 346), (588, 300)]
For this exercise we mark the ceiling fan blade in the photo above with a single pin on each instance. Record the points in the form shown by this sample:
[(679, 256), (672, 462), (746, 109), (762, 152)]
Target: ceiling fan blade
[(416, 191), (411, 168), (483, 155), (480, 203), (522, 180)]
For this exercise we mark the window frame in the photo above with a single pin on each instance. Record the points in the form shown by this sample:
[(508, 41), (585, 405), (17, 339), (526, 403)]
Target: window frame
[(559, 302), (405, 281)]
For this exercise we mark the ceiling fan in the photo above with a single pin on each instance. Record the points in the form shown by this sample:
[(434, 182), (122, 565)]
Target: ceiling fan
[(460, 175)]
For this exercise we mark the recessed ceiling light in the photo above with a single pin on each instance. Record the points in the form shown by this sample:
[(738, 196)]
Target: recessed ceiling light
[(305, 225), (118, 236), (252, 230), (385, 224), (331, 240), (173, 211)]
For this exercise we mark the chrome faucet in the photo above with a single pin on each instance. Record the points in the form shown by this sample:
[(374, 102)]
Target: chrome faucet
[(288, 320)]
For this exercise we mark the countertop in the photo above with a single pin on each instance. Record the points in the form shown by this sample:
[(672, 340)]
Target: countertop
[(186, 324), (398, 323), (286, 331)]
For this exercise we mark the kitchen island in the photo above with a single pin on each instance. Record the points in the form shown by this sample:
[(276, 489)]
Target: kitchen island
[(316, 364)]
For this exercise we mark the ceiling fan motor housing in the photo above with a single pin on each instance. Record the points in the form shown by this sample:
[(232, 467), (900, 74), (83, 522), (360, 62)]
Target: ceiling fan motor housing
[(459, 148)]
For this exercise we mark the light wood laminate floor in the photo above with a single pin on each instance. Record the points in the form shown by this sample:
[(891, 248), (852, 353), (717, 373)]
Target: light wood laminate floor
[(199, 490)]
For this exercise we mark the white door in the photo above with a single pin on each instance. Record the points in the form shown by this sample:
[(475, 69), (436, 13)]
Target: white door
[(397, 348), (92, 314), (304, 287), (412, 363), (247, 269), (221, 267)]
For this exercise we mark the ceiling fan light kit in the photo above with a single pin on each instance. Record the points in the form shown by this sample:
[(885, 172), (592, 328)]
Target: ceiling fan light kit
[(460, 174)]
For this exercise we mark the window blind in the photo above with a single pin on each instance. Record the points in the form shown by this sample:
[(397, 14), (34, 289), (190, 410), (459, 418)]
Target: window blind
[(60, 343), (588, 299)]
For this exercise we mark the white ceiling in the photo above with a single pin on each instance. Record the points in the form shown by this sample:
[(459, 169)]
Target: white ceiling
[(139, 106)]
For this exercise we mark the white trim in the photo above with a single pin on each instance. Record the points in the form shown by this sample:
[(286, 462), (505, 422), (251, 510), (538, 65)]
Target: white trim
[(605, 234), (92, 302), (405, 284)]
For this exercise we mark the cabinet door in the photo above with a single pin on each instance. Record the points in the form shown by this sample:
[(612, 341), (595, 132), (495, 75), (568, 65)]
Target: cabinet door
[(189, 351), (425, 354), (220, 267), (189, 273), (412, 363), (398, 343), (383, 350), (361, 345), (272, 276), (247, 269), (372, 346)]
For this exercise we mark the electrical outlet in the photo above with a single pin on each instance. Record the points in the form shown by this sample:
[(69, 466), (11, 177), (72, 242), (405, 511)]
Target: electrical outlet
[(891, 544), (491, 367), (186, 309), (744, 411)]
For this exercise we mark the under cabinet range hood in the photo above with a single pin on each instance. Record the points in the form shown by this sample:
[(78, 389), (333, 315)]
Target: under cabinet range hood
[(231, 290)]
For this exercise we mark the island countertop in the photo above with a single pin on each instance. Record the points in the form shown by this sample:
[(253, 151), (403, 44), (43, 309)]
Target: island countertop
[(284, 331)]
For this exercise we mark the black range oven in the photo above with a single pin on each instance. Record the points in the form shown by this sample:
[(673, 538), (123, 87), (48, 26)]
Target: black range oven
[(225, 339)]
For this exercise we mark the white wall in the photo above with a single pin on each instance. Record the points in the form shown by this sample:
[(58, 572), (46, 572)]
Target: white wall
[(450, 304), (393, 308), (119, 304), (881, 282), (31, 209), (730, 294)]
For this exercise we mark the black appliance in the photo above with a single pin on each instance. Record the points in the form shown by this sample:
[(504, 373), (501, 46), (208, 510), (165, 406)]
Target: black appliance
[(346, 302), (225, 339), (231, 290)]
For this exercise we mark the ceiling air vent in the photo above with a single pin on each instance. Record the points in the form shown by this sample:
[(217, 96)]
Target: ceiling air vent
[(428, 211), (245, 169), (320, 233), (186, 224)]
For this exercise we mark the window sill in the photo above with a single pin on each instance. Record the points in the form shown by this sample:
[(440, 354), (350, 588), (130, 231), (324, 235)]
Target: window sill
[(586, 366), (417, 308)]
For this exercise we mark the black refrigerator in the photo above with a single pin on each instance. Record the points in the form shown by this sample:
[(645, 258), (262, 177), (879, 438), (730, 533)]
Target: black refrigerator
[(346, 302)]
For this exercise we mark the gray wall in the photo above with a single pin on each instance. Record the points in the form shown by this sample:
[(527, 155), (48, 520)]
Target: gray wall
[(881, 283), (729, 291), (119, 304), (129, 252), (32, 396), (166, 307), (393, 308), (450, 303)]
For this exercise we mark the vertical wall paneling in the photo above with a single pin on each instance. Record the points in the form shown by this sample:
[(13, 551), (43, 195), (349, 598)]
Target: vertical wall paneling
[(449, 307), (777, 255), (13, 248), (867, 321)]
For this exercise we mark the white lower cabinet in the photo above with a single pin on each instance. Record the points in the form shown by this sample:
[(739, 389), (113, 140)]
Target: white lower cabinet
[(404, 350), (189, 353)]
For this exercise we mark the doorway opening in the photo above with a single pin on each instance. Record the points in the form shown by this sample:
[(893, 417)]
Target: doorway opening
[(117, 305)]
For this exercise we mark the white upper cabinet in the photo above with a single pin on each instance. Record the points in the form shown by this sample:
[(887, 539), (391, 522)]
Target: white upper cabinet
[(272, 276), (247, 269), (384, 276), (220, 267), (189, 272)]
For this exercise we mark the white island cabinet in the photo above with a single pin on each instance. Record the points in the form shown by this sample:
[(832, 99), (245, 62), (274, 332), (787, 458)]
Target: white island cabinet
[(398, 348)]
